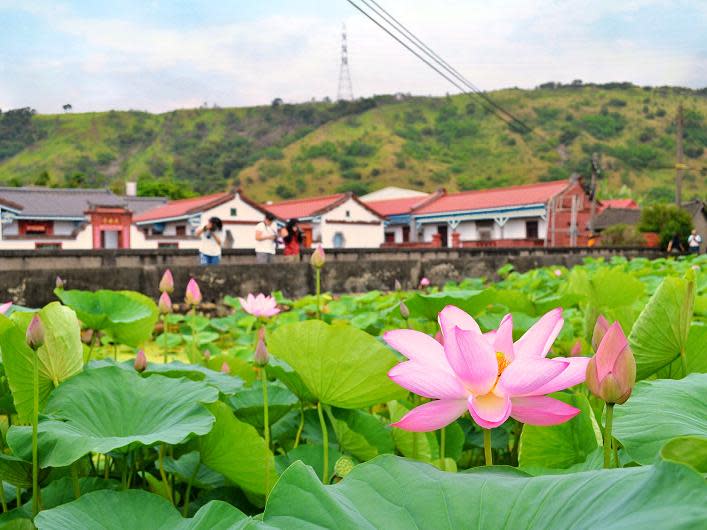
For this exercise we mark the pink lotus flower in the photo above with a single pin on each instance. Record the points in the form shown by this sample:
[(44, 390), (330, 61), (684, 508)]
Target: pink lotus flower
[(425, 282), (59, 283), (167, 282), (557, 272), (193, 294), (259, 306), (225, 369), (261, 356), (5, 307), (35, 332), (165, 303), (611, 373), (487, 374)]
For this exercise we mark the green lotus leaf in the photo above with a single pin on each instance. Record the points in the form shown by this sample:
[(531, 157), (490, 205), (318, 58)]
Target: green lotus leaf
[(128, 317), (416, 445), (109, 409), (227, 384), (564, 445), (661, 331), (688, 450), (473, 302), (136, 509), (311, 455), (185, 467), (284, 373), (360, 433), (15, 471), (659, 411), (236, 450), (395, 493), (248, 403), (60, 357), (341, 365)]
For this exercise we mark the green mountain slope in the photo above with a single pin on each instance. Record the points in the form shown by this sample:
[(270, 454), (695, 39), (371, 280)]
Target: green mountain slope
[(282, 150)]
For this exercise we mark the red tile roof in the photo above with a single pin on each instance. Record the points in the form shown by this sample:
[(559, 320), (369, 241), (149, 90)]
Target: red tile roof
[(299, 208), (495, 198), (619, 203), (395, 206), (183, 207)]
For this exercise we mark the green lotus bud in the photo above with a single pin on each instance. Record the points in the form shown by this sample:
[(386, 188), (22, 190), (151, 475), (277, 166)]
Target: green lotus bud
[(167, 282), (261, 356), (318, 257), (140, 363), (404, 311)]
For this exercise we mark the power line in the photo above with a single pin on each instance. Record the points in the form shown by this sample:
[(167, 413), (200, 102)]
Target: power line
[(439, 60), (345, 91), (485, 100)]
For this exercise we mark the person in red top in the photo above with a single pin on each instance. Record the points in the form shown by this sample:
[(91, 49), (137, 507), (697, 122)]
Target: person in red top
[(292, 236)]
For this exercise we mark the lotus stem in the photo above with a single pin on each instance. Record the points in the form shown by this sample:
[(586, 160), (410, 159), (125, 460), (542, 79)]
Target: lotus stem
[(442, 444), (325, 440), (683, 360), (75, 479), (266, 423), (164, 475), (185, 509), (615, 445), (35, 421), (318, 283), (607, 435), (115, 352), (165, 350), (301, 425), (2, 497), (488, 455), (106, 467), (194, 342), (91, 344)]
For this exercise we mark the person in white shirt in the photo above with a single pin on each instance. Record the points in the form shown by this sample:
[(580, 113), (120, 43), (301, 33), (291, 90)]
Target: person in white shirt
[(265, 239), (693, 242), (211, 241)]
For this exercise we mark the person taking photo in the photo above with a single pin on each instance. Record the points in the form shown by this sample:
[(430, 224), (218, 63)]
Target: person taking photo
[(211, 236), (265, 239)]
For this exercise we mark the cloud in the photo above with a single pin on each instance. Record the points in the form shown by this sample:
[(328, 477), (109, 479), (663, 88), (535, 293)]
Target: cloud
[(100, 60)]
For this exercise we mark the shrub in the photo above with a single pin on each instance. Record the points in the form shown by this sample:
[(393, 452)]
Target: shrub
[(637, 156), (322, 150), (556, 173), (604, 126), (622, 235), (284, 192), (358, 188), (616, 102), (666, 220), (359, 148)]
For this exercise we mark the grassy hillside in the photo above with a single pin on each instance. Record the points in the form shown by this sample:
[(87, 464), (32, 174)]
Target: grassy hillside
[(282, 150)]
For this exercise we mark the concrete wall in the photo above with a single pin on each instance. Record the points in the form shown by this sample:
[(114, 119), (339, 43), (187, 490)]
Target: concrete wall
[(28, 278)]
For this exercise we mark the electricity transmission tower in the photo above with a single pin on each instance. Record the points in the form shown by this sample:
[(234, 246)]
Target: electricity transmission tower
[(345, 91)]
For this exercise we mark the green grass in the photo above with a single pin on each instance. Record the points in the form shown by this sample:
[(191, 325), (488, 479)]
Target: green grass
[(419, 142)]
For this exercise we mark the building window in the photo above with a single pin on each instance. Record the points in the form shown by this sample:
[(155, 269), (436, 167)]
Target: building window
[(531, 229), (48, 245), (406, 234), (339, 240), (181, 230), (390, 237), (348, 213), (167, 245), (485, 230), (234, 212)]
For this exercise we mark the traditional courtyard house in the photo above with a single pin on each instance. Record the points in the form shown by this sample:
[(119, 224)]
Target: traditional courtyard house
[(335, 221), (616, 216), (398, 213), (698, 210), (546, 214), (173, 224), (38, 217)]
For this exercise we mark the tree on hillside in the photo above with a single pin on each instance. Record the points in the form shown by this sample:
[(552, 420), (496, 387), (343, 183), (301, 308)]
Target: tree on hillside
[(17, 131), (67, 107), (666, 220)]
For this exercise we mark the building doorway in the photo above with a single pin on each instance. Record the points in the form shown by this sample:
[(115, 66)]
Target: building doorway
[(110, 239), (443, 231)]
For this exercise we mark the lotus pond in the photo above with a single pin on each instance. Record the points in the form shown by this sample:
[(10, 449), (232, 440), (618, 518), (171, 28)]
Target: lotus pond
[(551, 399)]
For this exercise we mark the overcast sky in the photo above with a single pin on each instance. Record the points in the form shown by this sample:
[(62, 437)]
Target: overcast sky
[(159, 55)]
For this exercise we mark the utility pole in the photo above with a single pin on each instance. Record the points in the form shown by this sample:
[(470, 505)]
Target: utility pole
[(345, 91), (680, 165)]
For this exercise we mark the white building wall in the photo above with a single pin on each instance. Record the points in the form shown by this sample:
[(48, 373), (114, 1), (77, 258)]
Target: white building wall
[(83, 241), (355, 235)]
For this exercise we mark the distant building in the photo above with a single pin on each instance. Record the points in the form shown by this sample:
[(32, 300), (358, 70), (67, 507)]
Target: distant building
[(38, 217), (550, 214), (392, 192), (335, 221), (627, 204), (173, 224), (616, 216), (398, 214), (698, 210)]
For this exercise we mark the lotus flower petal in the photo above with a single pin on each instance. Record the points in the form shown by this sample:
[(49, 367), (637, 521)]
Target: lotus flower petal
[(537, 340), (472, 358), (489, 410), (503, 337), (432, 416), (414, 344), (4, 307), (524, 376), (452, 316), (542, 410), (574, 374), (428, 380), (612, 345)]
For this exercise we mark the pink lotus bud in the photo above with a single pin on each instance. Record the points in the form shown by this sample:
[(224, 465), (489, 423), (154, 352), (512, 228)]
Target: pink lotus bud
[(207, 355), (696, 268), (576, 350), (600, 329), (261, 356), (318, 258), (193, 294), (225, 369), (398, 285), (35, 332), (59, 283), (140, 363), (404, 311), (5, 307), (611, 373), (425, 282), (557, 272), (165, 304), (167, 282)]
